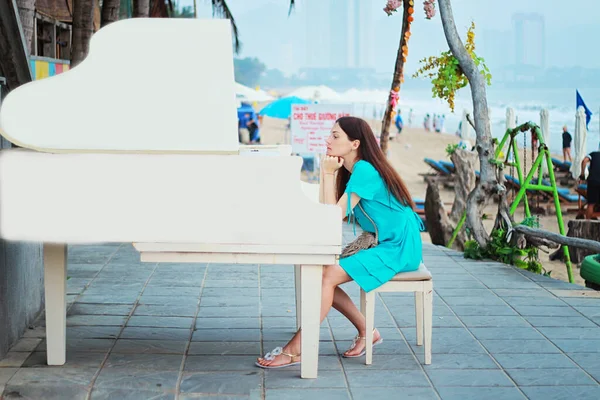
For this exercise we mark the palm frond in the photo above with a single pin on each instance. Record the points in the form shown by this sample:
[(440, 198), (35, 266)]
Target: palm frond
[(221, 9)]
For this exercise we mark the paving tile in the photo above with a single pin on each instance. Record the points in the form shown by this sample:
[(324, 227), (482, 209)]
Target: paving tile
[(137, 379), (478, 393), (191, 291), (75, 359), (546, 311), (125, 394), (92, 332), (417, 393), (155, 333), (289, 378), (154, 362), (225, 312), (574, 322), (519, 346), (188, 310), (96, 320), (383, 361), (562, 392), (570, 333), (231, 383), (249, 292), (459, 361), (226, 335), (448, 341), (468, 377), (208, 363), (534, 301), (224, 348), (228, 323), (383, 378), (26, 344), (313, 394), (506, 333), (6, 374), (161, 322), (105, 299), (534, 361), (233, 301), (149, 346), (485, 310), (85, 345), (13, 359), (285, 334), (536, 292), (53, 392), (578, 346), (495, 321), (100, 309), (51, 376), (169, 300), (550, 377), (586, 361)]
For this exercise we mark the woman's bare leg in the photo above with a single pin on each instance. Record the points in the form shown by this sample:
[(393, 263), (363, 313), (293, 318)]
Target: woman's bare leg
[(333, 276)]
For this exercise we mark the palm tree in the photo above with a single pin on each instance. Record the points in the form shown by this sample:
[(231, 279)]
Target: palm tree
[(27, 16)]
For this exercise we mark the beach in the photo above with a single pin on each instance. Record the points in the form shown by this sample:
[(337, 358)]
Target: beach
[(407, 152)]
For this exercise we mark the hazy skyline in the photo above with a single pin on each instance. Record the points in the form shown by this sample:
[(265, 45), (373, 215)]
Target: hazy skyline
[(266, 32)]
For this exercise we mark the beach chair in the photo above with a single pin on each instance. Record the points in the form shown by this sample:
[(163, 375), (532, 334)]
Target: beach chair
[(562, 166), (437, 167), (449, 165)]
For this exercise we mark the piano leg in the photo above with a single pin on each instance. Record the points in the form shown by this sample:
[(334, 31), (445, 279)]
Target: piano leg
[(311, 279), (298, 285), (55, 276)]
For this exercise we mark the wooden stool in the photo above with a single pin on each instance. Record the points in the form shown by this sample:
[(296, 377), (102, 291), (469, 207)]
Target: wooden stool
[(420, 282)]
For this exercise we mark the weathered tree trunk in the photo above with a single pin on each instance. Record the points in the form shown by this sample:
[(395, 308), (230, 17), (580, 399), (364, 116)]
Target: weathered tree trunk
[(14, 64), (487, 181), (83, 28), (397, 78), (580, 228), (141, 8), (110, 12), (464, 175), (439, 226), (27, 15)]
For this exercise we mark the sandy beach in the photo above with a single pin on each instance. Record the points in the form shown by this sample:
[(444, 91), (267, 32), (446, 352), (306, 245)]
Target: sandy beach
[(407, 152)]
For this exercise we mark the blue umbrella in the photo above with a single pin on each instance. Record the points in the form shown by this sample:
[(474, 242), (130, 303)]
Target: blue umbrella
[(282, 108)]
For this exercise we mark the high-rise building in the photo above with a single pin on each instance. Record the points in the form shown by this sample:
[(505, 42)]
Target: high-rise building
[(340, 33), (318, 39), (530, 40)]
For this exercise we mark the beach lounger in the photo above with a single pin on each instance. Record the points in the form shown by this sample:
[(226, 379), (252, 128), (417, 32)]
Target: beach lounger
[(563, 166), (436, 166), (449, 165)]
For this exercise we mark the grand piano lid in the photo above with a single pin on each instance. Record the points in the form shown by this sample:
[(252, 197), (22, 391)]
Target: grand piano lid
[(152, 85)]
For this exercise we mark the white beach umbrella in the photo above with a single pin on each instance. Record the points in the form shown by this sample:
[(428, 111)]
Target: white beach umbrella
[(544, 126), (579, 142), (244, 93)]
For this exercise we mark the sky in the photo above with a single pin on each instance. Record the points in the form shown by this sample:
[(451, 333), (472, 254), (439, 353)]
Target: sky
[(279, 41)]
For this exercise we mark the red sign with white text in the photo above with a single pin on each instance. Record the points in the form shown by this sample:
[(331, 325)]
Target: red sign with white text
[(312, 123)]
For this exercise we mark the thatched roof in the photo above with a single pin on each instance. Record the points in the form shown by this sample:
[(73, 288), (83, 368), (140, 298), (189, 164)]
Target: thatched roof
[(62, 10)]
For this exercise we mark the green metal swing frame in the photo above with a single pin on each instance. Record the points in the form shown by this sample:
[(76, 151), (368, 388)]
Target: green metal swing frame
[(526, 182)]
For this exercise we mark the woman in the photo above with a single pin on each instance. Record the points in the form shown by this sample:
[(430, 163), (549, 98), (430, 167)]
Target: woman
[(369, 179)]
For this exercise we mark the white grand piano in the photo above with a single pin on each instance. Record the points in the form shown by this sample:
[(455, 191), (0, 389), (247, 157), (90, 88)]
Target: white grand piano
[(139, 144)]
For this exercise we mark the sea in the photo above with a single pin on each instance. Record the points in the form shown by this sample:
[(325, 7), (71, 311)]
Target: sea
[(526, 103)]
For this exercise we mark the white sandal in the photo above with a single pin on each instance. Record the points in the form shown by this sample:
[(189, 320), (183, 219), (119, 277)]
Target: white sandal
[(362, 353), (274, 353)]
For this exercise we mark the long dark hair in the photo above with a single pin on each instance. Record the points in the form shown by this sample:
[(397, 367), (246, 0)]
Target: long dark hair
[(359, 129)]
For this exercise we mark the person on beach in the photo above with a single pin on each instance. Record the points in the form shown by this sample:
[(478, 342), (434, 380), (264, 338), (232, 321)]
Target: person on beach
[(367, 179), (399, 122), (593, 181), (566, 144)]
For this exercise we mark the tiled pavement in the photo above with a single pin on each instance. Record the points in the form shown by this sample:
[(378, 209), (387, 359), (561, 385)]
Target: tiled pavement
[(186, 331)]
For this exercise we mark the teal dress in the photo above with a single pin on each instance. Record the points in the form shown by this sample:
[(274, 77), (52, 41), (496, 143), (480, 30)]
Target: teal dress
[(399, 249)]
